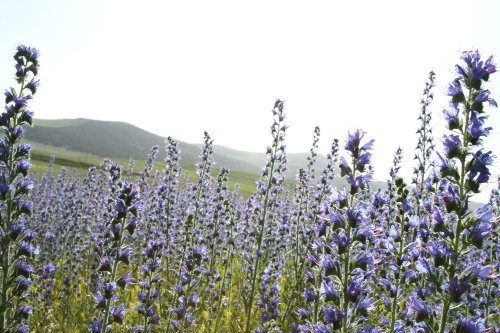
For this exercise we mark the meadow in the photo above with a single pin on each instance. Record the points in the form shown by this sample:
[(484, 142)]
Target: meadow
[(166, 248)]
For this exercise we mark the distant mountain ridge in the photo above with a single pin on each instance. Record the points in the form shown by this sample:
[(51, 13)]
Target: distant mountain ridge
[(112, 139)]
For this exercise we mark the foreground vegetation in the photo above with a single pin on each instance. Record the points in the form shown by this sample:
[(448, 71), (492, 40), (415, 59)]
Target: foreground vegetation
[(158, 251)]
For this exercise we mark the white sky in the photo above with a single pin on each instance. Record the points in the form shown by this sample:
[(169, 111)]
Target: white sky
[(181, 67)]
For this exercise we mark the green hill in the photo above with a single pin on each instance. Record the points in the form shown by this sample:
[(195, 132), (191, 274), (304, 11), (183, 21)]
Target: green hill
[(119, 140)]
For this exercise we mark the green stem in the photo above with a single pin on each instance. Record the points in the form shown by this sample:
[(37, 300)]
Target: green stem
[(345, 282), (345, 276), (463, 196), (113, 276), (399, 256)]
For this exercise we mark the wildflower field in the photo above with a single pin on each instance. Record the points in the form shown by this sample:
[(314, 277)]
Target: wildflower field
[(113, 252)]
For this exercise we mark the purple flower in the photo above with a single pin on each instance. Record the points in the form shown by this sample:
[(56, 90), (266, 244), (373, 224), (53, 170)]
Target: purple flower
[(455, 91), (309, 295), (131, 226), (451, 197), (22, 328), (365, 305), (479, 70), (477, 271), (302, 313), (48, 270), (471, 325), (329, 290), (353, 143), (332, 317), (125, 280), (379, 199), (424, 267), (489, 66), (478, 172), (105, 265), (95, 326), (24, 311), (321, 329), (109, 289), (23, 268), (479, 232), (340, 196), (353, 140), (342, 241), (180, 312), (484, 96), (22, 284), (26, 249), (125, 255), (365, 233), (193, 300), (344, 167), (358, 182), (118, 314), (440, 251), (120, 209), (476, 127), (457, 289), (100, 300), (444, 166), (330, 264), (29, 53), (363, 161), (421, 310), (364, 260), (452, 145), (354, 290)]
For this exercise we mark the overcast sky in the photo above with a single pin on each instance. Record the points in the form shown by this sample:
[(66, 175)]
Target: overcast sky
[(179, 68)]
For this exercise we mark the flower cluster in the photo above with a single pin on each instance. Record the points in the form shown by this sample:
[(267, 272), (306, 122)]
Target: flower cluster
[(198, 253)]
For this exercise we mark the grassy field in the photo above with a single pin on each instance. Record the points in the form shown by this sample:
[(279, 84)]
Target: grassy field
[(80, 163)]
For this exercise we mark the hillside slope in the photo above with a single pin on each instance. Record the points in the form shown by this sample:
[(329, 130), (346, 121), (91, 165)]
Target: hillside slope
[(121, 140)]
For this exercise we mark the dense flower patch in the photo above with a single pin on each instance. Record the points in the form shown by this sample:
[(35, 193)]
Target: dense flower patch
[(160, 253)]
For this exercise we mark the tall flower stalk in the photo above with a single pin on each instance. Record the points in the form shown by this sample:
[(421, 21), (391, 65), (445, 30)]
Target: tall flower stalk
[(302, 218), (16, 241), (267, 189), (464, 169), (352, 235), (123, 205), (425, 146)]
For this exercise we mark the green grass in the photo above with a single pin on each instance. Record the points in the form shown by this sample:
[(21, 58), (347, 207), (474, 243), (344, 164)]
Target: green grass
[(80, 163)]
